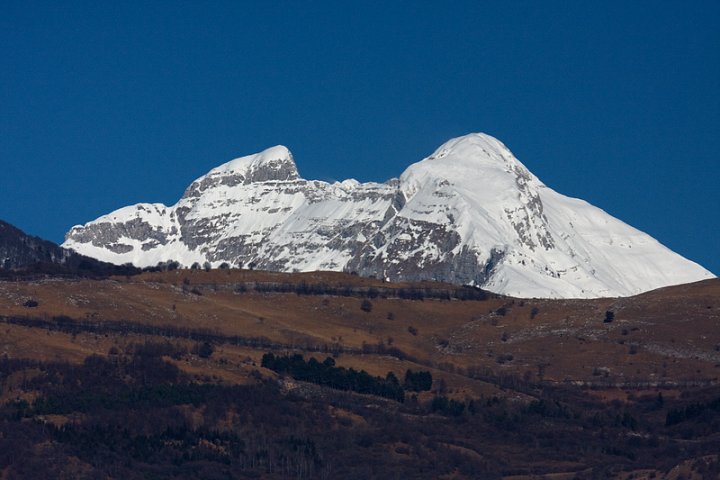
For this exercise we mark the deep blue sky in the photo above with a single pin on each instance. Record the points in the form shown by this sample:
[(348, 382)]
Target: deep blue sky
[(105, 104)]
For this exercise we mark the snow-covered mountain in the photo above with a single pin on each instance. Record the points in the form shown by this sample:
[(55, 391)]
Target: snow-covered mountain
[(469, 213)]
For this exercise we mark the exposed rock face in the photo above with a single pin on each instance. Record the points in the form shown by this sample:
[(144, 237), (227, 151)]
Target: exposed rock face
[(469, 213)]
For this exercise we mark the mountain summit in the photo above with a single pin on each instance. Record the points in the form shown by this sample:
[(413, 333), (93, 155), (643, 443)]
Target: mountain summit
[(469, 213)]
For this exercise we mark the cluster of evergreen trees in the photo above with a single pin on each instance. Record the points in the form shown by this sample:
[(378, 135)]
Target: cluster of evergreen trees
[(340, 378), (418, 381)]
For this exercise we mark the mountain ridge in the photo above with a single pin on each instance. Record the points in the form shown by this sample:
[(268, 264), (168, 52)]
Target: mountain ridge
[(22, 255), (469, 213)]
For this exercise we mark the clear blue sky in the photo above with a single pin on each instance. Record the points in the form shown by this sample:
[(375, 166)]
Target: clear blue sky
[(105, 104)]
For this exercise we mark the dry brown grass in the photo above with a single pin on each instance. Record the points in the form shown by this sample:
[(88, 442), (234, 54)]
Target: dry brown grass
[(669, 335)]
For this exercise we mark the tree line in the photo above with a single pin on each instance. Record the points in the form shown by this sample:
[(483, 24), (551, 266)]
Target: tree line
[(346, 290)]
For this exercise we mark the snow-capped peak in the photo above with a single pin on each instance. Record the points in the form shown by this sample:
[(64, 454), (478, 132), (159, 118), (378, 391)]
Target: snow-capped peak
[(274, 163), (471, 161), (469, 213)]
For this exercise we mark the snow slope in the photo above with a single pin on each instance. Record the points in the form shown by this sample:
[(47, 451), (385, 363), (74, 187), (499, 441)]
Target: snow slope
[(469, 213)]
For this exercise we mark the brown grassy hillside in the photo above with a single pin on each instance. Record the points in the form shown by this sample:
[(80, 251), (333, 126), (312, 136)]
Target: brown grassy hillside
[(662, 337), (569, 361)]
